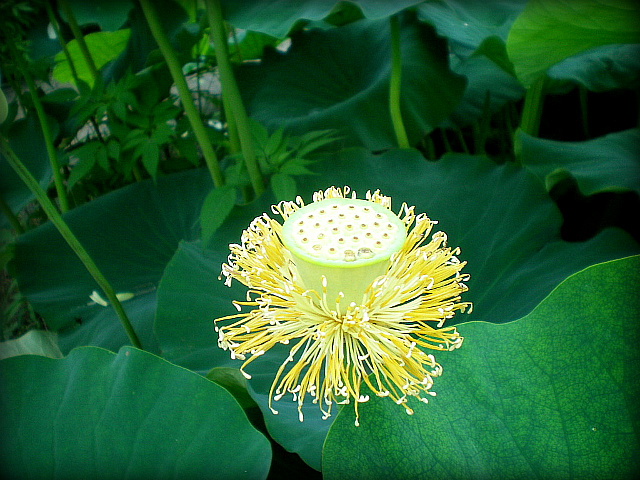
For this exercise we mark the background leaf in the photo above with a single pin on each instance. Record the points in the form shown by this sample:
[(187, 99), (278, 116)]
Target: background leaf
[(602, 68), (548, 31), (553, 395), (89, 415), (467, 24), (107, 14), (325, 82), (131, 234), (611, 162), (34, 342), (276, 17), (26, 140), (103, 46)]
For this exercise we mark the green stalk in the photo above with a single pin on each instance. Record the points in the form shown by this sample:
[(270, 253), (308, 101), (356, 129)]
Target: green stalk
[(231, 94), (190, 110), (582, 92), (13, 219), (532, 109), (232, 128), (77, 34), (445, 140), (46, 131), (394, 85), (56, 27), (461, 140), (70, 238)]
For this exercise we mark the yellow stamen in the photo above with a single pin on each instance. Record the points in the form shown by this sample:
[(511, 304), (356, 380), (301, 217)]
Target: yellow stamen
[(354, 308)]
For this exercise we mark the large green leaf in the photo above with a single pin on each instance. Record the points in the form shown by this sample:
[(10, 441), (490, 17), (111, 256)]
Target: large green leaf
[(131, 234), (548, 31), (339, 78), (602, 68), (553, 395), (500, 216), (468, 23), (95, 414), (485, 81), (26, 140), (507, 227), (606, 163), (276, 17), (103, 46), (107, 14)]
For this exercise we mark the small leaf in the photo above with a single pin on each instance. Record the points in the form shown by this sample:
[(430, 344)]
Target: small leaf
[(87, 156), (275, 143), (151, 157), (215, 209), (283, 186)]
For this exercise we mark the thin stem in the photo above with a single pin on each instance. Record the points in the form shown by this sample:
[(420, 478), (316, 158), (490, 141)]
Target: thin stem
[(232, 128), (445, 140), (190, 110), (13, 219), (77, 34), (461, 140), (532, 109), (56, 27), (582, 92), (483, 125), (46, 131), (70, 238), (394, 85), (231, 94)]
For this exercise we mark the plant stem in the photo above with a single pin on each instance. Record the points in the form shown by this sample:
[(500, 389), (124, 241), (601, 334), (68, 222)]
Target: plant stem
[(231, 94), (394, 85), (532, 109), (56, 27), (445, 140), (77, 34), (13, 219), (46, 131), (582, 92), (190, 110), (461, 140), (70, 238), (232, 128)]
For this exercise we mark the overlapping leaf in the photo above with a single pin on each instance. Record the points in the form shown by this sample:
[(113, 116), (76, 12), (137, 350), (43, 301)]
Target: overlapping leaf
[(277, 17), (28, 143), (325, 81), (607, 163), (131, 234), (553, 395), (548, 31), (95, 414)]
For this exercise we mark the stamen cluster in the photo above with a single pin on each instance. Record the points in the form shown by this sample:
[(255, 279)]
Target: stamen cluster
[(337, 345)]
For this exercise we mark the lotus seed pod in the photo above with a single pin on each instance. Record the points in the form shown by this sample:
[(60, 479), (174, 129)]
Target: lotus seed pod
[(347, 241)]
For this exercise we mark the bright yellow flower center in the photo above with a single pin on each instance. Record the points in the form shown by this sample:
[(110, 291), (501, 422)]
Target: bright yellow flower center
[(342, 245)]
